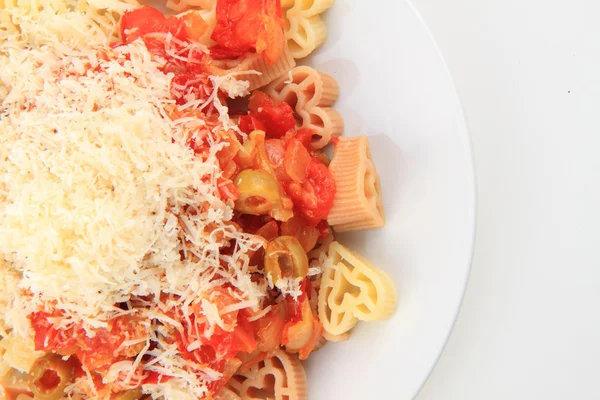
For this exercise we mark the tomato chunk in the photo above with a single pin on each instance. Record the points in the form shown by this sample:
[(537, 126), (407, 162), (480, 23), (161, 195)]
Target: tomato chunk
[(249, 123), (296, 160), (277, 119), (248, 25), (144, 20), (314, 197), (195, 26)]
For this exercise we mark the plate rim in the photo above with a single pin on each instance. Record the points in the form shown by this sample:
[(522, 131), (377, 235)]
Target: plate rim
[(465, 136)]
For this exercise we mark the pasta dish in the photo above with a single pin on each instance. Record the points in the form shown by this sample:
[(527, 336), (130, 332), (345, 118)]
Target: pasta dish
[(168, 208)]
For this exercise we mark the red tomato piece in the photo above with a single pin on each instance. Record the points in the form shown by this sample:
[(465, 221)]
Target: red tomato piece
[(296, 160), (297, 227), (47, 336), (269, 231), (294, 306), (278, 119), (275, 151), (243, 336), (144, 20), (305, 135), (249, 123), (247, 25), (195, 26), (324, 229), (185, 83), (270, 329), (93, 352), (270, 40), (219, 52), (154, 378), (314, 197)]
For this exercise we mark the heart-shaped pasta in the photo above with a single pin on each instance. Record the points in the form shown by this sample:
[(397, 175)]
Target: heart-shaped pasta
[(311, 94), (304, 29), (357, 203), (279, 377), (351, 290)]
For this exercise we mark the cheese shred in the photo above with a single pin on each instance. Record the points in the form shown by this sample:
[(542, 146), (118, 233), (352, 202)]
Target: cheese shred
[(101, 200)]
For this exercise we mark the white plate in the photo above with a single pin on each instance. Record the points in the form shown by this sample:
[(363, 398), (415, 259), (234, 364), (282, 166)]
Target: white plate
[(395, 88)]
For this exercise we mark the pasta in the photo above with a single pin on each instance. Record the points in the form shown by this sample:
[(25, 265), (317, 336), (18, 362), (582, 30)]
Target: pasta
[(227, 394), (279, 377), (357, 203), (352, 289), (311, 94), (305, 31), (169, 213), (255, 70)]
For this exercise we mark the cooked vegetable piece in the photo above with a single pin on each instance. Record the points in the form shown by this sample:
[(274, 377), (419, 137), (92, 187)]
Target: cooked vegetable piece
[(314, 197), (248, 25), (49, 377), (285, 258), (258, 192)]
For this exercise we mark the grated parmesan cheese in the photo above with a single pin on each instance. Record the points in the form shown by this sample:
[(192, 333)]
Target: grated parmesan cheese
[(99, 193)]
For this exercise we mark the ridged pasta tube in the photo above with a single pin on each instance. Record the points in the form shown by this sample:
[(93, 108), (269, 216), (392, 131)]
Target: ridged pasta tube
[(357, 203), (254, 69)]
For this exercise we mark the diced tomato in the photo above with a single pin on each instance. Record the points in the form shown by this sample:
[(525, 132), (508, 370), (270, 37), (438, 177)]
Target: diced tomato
[(324, 230), (94, 351), (301, 230), (154, 378), (247, 25), (249, 123), (296, 160), (195, 26), (314, 197), (221, 297), (144, 20), (278, 119), (305, 135), (269, 333), (275, 151), (218, 53), (243, 336), (156, 47), (269, 231), (270, 41), (47, 336), (294, 306), (186, 83)]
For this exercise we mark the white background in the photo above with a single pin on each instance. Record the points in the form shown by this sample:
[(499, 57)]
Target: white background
[(528, 75)]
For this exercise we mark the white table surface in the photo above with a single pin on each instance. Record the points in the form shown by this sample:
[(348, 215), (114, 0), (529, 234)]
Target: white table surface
[(528, 75)]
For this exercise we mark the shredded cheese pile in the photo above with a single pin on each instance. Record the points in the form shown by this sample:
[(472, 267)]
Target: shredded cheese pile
[(100, 198)]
